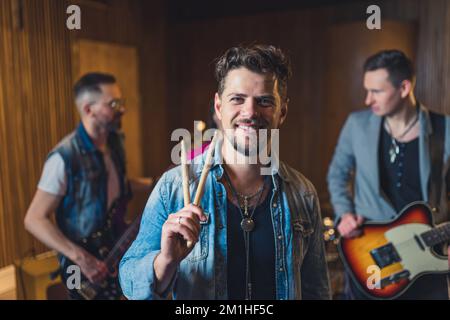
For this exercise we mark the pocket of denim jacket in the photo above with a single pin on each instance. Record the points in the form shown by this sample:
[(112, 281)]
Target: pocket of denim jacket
[(200, 250)]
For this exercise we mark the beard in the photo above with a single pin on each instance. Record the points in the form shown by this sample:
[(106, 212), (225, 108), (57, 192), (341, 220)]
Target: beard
[(249, 149), (111, 125), (115, 124), (250, 144)]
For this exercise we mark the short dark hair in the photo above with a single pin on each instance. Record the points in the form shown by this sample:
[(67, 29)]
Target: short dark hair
[(397, 64), (90, 82), (263, 59)]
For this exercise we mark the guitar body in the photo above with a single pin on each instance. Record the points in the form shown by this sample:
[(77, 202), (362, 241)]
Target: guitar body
[(99, 245), (389, 256)]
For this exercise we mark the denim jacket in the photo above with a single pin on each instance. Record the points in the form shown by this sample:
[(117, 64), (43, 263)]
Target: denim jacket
[(83, 208), (301, 270)]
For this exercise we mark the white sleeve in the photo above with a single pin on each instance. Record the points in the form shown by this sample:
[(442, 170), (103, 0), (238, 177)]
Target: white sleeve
[(54, 179)]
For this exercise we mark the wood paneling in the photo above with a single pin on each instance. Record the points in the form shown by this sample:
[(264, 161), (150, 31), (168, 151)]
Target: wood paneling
[(111, 20), (36, 108), (155, 90), (433, 55)]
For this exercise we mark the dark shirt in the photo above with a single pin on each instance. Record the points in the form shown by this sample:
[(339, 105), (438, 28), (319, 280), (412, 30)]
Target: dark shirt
[(400, 180), (262, 253)]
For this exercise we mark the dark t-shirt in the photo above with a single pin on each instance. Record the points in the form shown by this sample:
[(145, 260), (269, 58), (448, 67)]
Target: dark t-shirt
[(262, 253), (400, 180)]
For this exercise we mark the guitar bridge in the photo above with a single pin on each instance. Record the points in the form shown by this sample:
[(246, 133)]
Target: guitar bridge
[(385, 255), (393, 278)]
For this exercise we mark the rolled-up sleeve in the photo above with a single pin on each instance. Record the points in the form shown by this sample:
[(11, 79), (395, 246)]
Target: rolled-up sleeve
[(340, 172), (136, 272)]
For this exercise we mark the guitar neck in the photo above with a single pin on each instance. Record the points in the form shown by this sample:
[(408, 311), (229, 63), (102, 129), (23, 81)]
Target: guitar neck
[(437, 235), (125, 240), (123, 243)]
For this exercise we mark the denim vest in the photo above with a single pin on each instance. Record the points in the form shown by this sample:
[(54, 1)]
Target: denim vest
[(301, 269), (83, 209)]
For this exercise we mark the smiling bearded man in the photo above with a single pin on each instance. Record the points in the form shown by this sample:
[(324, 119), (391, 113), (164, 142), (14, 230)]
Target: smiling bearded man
[(254, 236)]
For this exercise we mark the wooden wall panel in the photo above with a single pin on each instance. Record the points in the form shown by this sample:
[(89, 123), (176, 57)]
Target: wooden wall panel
[(111, 20), (155, 90), (36, 110), (433, 55)]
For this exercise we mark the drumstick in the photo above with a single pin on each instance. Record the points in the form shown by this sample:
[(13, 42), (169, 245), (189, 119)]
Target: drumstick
[(185, 175), (185, 178), (204, 174), (205, 171)]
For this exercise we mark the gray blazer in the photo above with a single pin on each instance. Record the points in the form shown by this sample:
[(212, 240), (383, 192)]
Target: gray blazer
[(356, 160)]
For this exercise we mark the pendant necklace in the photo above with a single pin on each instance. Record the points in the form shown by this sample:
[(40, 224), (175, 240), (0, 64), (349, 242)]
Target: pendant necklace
[(394, 149), (247, 225), (247, 222)]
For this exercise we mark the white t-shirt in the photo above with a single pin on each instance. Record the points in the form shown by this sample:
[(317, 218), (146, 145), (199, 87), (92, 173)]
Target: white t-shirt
[(54, 178)]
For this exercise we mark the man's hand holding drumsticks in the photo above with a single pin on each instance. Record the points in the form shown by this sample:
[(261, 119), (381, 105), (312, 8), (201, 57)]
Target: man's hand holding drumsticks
[(179, 232), (182, 229)]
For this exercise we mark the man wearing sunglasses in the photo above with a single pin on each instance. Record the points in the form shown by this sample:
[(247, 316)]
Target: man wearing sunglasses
[(84, 181)]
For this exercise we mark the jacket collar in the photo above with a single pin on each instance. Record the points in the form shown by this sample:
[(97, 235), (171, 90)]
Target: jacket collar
[(424, 119)]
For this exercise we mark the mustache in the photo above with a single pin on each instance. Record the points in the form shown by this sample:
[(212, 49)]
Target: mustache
[(260, 123)]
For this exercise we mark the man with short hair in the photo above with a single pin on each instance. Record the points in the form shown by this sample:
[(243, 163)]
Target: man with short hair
[(84, 180), (253, 236), (387, 153)]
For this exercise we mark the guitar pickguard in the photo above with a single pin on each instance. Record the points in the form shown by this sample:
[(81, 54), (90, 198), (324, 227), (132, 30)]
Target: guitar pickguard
[(415, 257)]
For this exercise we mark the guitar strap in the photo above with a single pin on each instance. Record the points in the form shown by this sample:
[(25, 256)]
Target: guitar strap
[(437, 142)]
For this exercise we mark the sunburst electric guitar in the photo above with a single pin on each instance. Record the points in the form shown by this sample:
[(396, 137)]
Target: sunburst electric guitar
[(389, 256)]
